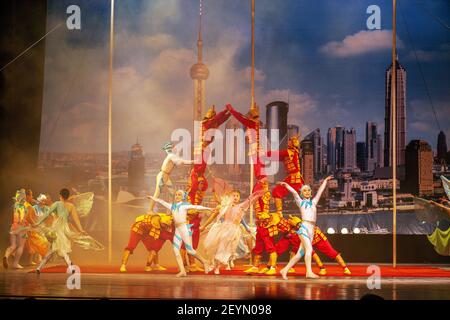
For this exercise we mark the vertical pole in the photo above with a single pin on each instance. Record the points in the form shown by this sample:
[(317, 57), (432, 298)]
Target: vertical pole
[(111, 47), (252, 174), (394, 133)]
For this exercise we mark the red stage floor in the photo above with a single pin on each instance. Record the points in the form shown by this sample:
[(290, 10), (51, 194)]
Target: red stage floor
[(402, 271)]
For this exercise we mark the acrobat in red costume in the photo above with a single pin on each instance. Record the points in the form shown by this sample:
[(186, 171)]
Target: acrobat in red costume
[(197, 184), (252, 123), (320, 242), (291, 160), (153, 231)]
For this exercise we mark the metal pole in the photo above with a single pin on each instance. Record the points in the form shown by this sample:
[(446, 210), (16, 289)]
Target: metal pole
[(394, 133), (111, 51), (252, 174)]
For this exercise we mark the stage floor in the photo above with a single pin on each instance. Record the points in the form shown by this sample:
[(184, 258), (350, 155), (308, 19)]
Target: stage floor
[(165, 286)]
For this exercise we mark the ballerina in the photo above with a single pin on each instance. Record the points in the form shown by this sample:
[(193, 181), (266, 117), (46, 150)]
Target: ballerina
[(182, 234), (308, 210), (223, 238)]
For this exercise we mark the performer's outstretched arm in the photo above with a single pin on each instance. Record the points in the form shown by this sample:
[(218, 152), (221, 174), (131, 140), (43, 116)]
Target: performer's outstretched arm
[(241, 118), (250, 200), (178, 160), (321, 189), (197, 207), (297, 198), (162, 202)]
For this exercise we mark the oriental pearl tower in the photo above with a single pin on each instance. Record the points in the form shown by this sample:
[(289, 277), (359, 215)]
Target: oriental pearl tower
[(199, 73)]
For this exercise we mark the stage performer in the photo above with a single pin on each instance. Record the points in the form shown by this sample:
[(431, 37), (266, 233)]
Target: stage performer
[(37, 244), (320, 243), (252, 123), (290, 238), (266, 230), (291, 160), (17, 238), (61, 232), (223, 238), (182, 233), (163, 177), (153, 231), (198, 184), (308, 210)]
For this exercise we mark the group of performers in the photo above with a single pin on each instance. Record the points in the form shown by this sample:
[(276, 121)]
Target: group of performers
[(229, 234), (45, 229)]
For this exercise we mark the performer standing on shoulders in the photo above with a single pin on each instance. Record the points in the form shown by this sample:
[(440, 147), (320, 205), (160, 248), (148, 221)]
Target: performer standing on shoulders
[(294, 178), (163, 177), (182, 233), (308, 210)]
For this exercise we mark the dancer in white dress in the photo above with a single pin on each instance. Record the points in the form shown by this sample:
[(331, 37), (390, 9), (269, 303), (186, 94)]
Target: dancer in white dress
[(182, 235), (308, 210), (223, 238), (61, 233)]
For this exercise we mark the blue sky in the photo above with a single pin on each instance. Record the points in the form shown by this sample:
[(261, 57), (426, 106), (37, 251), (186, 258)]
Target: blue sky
[(319, 52)]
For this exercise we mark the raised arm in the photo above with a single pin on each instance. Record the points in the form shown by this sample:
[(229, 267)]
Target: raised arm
[(321, 189), (196, 207), (297, 198), (241, 118), (162, 202), (251, 200), (178, 160)]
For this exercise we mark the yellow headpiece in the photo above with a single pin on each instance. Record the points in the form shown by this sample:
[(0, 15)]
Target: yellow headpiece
[(210, 113)]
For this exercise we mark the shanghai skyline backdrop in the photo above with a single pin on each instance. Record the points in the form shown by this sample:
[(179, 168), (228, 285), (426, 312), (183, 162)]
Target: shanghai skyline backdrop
[(293, 57)]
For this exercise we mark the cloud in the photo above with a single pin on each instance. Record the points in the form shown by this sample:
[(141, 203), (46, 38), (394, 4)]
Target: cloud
[(443, 53), (359, 43)]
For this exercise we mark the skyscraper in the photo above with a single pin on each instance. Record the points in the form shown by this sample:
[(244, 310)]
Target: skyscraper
[(380, 154), (136, 169), (418, 168), (361, 155), (316, 140), (373, 142), (349, 150), (307, 161), (234, 168), (276, 118), (441, 147), (400, 116), (335, 149), (199, 73)]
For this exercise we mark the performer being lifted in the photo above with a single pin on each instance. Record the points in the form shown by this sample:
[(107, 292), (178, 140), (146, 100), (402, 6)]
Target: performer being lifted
[(163, 177), (308, 210), (290, 157), (182, 233)]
